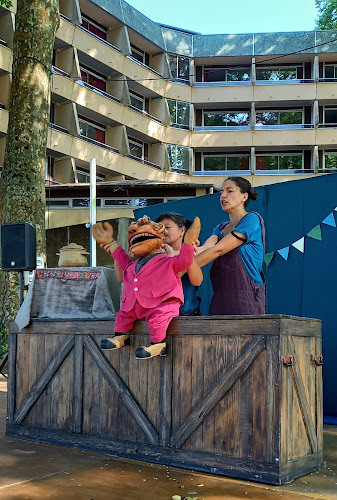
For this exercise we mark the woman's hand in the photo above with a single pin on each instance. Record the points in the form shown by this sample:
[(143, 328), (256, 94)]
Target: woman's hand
[(169, 250)]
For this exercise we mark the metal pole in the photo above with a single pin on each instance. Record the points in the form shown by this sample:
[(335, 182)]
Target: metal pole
[(92, 211), (21, 286)]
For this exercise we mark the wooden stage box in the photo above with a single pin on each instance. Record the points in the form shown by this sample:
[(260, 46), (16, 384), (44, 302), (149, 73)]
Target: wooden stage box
[(239, 396)]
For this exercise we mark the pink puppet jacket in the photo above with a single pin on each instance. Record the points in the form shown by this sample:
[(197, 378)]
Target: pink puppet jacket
[(156, 282)]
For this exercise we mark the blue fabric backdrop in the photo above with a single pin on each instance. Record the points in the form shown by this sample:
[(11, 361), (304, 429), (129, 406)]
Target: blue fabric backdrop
[(305, 284)]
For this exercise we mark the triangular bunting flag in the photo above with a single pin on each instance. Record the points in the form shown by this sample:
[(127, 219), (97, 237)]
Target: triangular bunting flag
[(315, 233), (268, 258), (329, 220), (284, 252), (335, 209), (299, 244)]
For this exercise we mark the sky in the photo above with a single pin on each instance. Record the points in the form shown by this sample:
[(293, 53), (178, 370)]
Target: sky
[(231, 16)]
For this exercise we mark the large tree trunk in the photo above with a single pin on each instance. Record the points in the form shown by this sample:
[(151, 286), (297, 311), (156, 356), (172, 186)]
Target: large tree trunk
[(22, 185)]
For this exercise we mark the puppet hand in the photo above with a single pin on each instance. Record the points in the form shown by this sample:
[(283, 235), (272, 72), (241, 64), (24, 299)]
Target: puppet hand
[(192, 234), (103, 233)]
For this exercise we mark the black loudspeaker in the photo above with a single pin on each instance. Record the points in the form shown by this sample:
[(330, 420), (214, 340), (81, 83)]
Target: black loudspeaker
[(18, 247)]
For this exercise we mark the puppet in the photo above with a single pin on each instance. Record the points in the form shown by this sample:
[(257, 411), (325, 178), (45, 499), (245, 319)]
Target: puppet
[(152, 286)]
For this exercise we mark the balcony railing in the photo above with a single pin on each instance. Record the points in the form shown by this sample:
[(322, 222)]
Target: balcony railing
[(143, 65), (3, 43), (288, 126), (97, 143), (99, 38), (145, 162), (98, 91), (143, 112), (283, 82), (327, 125), (222, 172), (59, 71), (214, 128), (222, 83), (54, 126)]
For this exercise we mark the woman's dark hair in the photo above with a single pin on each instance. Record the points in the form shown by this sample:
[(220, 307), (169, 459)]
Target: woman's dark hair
[(244, 186), (176, 218)]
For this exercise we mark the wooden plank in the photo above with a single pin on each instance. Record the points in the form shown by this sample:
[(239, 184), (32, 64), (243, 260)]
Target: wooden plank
[(11, 383), (259, 407), (44, 379), (165, 396), (273, 393), (205, 325), (300, 389), (122, 390), (203, 462), (248, 354), (197, 384), (210, 371), (319, 396), (78, 384)]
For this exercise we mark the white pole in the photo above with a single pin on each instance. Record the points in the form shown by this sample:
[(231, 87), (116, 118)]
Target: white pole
[(92, 211)]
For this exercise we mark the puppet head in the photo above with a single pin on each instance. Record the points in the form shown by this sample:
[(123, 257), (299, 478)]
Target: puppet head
[(145, 237)]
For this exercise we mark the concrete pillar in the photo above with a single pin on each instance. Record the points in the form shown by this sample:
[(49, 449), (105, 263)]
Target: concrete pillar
[(315, 69), (252, 160), (315, 159), (253, 71)]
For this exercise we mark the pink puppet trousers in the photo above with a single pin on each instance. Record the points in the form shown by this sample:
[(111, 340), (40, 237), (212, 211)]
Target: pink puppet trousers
[(158, 318)]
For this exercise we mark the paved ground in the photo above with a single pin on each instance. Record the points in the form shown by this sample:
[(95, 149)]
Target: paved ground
[(36, 471)]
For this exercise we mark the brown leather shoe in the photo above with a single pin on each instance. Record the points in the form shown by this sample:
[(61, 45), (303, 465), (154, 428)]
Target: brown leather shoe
[(115, 342), (150, 351)]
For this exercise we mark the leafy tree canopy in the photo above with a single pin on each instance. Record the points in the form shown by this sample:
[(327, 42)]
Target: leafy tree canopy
[(6, 3), (327, 14)]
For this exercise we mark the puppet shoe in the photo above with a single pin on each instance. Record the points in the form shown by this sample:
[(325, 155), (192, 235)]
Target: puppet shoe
[(146, 352), (115, 342)]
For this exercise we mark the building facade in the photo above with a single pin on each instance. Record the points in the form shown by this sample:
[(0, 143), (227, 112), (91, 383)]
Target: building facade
[(155, 102)]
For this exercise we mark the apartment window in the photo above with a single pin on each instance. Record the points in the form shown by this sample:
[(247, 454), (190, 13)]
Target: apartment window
[(138, 54), (330, 71), (222, 74), (92, 130), (289, 117), (49, 170), (330, 116), (83, 176), (137, 101), (93, 78), (330, 160), (180, 67), (279, 162), (94, 27), (179, 157), (225, 119), (219, 162), (147, 202), (136, 148), (279, 73), (179, 112)]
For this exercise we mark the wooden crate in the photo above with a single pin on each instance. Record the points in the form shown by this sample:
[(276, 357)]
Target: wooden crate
[(225, 400)]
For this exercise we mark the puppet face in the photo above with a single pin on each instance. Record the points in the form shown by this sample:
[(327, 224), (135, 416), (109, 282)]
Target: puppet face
[(145, 236)]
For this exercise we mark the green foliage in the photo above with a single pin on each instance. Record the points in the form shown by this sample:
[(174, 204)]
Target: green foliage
[(327, 14), (3, 341), (6, 3)]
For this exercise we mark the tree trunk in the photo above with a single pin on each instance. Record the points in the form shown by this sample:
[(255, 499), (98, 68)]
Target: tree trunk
[(22, 184)]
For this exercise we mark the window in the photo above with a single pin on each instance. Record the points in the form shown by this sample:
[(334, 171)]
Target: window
[(330, 71), (218, 162), (49, 171), (138, 54), (179, 112), (93, 78), (83, 176), (330, 160), (279, 162), (136, 148), (137, 101), (225, 119), (94, 27), (222, 74), (147, 202), (330, 116), (279, 73), (179, 157), (91, 130), (118, 203), (180, 67), (294, 117)]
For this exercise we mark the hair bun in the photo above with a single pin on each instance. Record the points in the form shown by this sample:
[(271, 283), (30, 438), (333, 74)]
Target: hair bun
[(252, 194)]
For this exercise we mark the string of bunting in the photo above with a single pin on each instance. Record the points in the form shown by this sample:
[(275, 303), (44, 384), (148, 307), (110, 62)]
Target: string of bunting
[(315, 233)]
